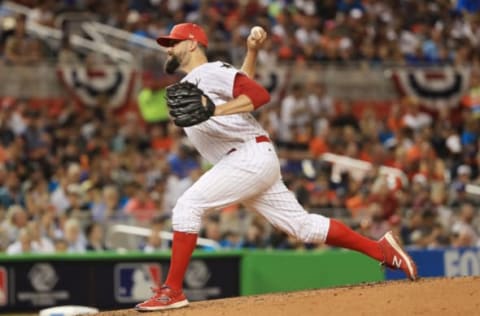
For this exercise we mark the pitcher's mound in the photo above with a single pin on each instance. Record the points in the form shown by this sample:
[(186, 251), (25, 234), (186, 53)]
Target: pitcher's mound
[(435, 296)]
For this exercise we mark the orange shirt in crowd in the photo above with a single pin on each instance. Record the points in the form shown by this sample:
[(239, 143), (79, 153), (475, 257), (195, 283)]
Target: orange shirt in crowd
[(472, 99), (355, 204), (3, 155), (394, 123), (318, 147), (413, 153), (162, 144), (142, 211)]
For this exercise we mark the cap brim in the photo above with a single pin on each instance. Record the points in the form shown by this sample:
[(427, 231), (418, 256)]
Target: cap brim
[(168, 41)]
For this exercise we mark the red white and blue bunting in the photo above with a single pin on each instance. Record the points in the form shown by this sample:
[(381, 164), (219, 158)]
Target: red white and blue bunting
[(433, 87), (87, 85)]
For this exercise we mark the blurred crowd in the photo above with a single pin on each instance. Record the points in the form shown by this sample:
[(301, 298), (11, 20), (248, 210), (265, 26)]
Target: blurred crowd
[(410, 32), (67, 176)]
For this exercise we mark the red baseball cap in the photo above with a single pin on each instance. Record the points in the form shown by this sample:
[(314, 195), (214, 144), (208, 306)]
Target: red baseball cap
[(184, 31)]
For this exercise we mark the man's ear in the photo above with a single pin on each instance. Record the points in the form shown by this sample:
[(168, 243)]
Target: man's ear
[(193, 45)]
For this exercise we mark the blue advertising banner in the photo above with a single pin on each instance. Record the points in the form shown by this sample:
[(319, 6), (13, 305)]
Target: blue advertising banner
[(108, 281), (449, 262)]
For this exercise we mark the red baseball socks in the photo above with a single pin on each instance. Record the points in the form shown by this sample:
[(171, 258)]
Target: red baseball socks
[(340, 235), (182, 248)]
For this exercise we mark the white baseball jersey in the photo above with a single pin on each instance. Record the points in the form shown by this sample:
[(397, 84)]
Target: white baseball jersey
[(249, 175), (216, 136)]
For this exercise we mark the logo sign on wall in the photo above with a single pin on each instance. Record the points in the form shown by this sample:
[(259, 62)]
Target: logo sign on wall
[(134, 280), (43, 278), (196, 282), (462, 262), (450, 262), (26, 286), (210, 278), (3, 286)]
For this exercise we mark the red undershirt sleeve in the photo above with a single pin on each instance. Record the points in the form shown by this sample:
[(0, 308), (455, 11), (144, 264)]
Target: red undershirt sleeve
[(255, 92)]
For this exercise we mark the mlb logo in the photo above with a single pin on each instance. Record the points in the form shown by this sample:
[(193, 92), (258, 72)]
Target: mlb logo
[(134, 280), (3, 286)]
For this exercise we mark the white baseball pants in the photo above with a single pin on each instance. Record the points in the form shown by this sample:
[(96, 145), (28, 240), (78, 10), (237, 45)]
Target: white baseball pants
[(249, 175)]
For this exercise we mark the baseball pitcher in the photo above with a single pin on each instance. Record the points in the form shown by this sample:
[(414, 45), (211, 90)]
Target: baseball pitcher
[(213, 102)]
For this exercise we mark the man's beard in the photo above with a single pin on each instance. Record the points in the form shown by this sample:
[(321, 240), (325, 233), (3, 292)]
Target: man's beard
[(171, 65)]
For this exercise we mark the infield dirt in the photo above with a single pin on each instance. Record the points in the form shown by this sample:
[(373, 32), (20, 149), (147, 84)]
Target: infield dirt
[(434, 296)]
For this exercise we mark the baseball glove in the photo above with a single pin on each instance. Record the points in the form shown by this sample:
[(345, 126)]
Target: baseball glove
[(188, 105)]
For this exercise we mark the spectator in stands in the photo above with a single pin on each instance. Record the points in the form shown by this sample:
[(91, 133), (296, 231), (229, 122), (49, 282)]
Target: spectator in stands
[(40, 242), (433, 45), (6, 134), (95, 237), (471, 100), (183, 160), (10, 191), (17, 123), (428, 232), (295, 112), (74, 236), (70, 175), (78, 207), (140, 206), (282, 241), (255, 236), (49, 224), (61, 245), (59, 198), (19, 48), (36, 138), (345, 116), (458, 185), (154, 241), (319, 142), (231, 239), (469, 135), (320, 102), (382, 195), (439, 202), (211, 230), (157, 191), (414, 118), (467, 5), (420, 193), (321, 194), (108, 207), (16, 219), (37, 197), (23, 244), (375, 225), (160, 140), (464, 233)]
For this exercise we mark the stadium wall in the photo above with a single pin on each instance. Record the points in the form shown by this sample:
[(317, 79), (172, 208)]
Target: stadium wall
[(113, 280)]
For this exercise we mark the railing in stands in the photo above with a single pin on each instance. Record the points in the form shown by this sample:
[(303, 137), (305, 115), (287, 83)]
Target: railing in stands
[(106, 29), (358, 168), (132, 230), (49, 33)]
